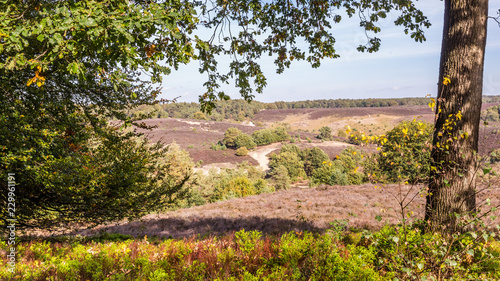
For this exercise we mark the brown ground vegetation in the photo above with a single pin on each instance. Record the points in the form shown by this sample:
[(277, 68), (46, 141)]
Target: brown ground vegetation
[(298, 209)]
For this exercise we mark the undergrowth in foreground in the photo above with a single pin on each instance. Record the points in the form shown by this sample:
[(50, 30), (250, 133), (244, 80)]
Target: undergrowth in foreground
[(246, 255)]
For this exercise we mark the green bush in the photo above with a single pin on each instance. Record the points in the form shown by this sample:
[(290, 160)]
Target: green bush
[(342, 133), (244, 140), (199, 115), (218, 146), (280, 178), (330, 173), (230, 137), (406, 151), (264, 137), (239, 187), (242, 151), (270, 135), (281, 133), (356, 137), (408, 253), (313, 158), (261, 186), (325, 133), (291, 161), (216, 185), (342, 171), (292, 148)]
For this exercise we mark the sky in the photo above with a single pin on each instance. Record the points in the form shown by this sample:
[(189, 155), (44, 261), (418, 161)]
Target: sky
[(401, 68)]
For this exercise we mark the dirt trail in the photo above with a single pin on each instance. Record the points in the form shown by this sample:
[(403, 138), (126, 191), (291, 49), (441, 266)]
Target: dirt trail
[(260, 153)]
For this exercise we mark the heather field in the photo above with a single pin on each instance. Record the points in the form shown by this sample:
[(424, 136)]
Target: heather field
[(196, 136), (259, 216)]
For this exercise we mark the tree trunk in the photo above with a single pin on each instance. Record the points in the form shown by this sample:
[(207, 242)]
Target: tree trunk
[(452, 188)]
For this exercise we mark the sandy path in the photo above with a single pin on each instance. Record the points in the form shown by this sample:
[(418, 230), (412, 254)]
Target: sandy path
[(260, 153)]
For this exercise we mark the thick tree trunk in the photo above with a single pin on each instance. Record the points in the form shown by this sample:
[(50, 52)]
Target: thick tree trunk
[(452, 188)]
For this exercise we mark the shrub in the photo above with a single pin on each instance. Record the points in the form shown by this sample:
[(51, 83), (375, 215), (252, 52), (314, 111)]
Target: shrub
[(216, 185), (341, 171), (199, 115), (244, 140), (242, 151), (406, 152), (281, 133), (261, 186), (291, 161), (313, 159), (292, 148), (230, 136), (342, 133), (268, 136), (218, 146), (280, 178), (408, 253), (264, 137), (330, 173), (239, 186), (325, 133), (356, 137)]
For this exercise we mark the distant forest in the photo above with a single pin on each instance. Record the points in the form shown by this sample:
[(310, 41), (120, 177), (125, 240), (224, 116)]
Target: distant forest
[(240, 110)]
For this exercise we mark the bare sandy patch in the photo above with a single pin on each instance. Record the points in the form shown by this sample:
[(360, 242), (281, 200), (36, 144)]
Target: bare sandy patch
[(260, 154)]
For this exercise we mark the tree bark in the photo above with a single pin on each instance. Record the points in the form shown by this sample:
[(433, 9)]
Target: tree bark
[(452, 188)]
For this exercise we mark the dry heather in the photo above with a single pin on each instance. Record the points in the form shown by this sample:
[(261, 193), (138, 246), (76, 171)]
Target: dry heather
[(297, 209)]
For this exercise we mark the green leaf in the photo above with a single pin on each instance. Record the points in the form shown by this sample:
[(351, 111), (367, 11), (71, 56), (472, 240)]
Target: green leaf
[(487, 170), (40, 37), (89, 22), (58, 37)]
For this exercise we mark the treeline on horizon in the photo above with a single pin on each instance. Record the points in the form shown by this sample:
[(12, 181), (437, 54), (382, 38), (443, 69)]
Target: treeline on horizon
[(241, 110)]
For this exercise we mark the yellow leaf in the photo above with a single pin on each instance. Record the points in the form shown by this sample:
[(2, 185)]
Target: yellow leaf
[(432, 103), (446, 80), (31, 81)]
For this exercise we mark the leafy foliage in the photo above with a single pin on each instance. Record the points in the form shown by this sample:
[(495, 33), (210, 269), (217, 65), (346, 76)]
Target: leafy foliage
[(341, 171), (279, 178), (270, 135), (230, 137), (230, 183), (290, 159), (242, 151), (244, 140), (66, 69), (406, 151), (313, 159), (325, 133)]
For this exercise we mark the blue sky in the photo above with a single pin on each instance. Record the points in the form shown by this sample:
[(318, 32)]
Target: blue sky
[(402, 67)]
